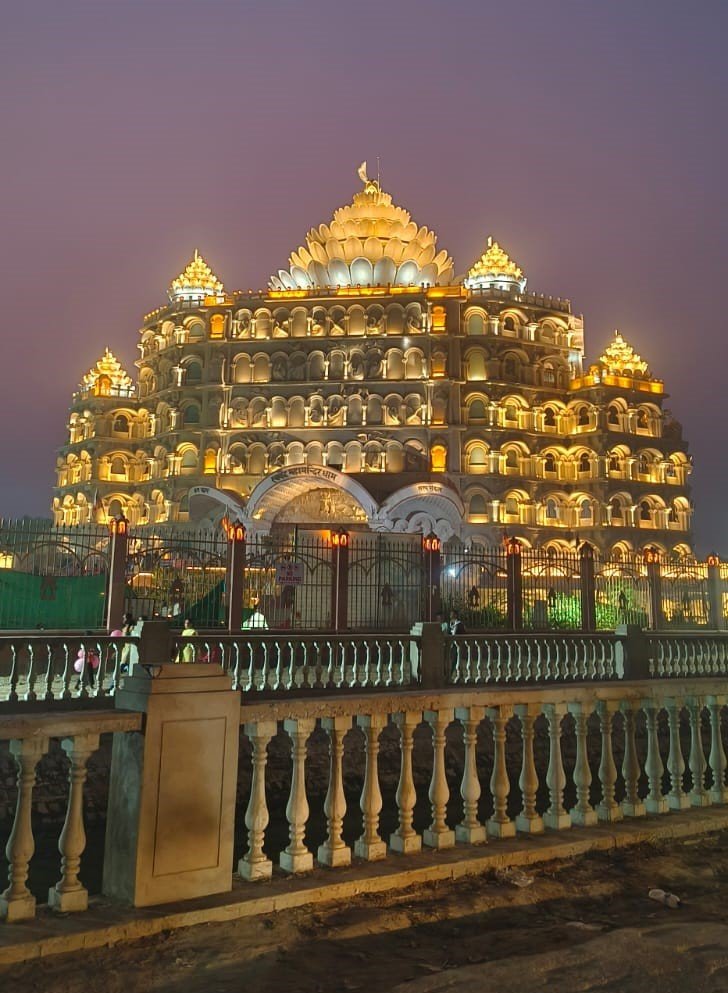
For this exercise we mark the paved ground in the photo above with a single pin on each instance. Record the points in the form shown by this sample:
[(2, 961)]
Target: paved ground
[(583, 925)]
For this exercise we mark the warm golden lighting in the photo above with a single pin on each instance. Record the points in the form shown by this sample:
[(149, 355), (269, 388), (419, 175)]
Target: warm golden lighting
[(495, 268), (431, 543), (108, 378), (197, 282)]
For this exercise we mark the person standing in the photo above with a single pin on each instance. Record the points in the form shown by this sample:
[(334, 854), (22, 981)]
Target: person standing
[(187, 652)]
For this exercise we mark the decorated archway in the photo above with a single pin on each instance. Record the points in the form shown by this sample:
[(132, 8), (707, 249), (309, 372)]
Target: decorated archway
[(309, 494)]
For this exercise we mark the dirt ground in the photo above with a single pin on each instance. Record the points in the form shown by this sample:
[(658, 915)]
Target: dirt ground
[(583, 925)]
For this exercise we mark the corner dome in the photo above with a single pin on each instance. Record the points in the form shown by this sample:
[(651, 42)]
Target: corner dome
[(495, 270), (370, 242), (196, 283), (620, 359), (108, 378)]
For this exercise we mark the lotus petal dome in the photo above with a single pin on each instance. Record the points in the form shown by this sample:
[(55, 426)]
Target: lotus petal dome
[(370, 242)]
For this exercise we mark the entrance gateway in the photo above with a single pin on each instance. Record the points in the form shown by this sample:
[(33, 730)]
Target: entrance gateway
[(320, 495)]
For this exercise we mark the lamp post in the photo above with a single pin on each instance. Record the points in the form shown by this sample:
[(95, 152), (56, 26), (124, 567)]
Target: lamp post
[(116, 589), (433, 567), (340, 585), (235, 573)]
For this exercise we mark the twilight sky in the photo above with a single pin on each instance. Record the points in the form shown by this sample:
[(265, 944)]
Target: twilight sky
[(588, 136)]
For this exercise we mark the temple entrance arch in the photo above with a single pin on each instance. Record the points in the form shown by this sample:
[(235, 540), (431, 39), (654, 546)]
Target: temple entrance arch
[(423, 508), (208, 501), (309, 495)]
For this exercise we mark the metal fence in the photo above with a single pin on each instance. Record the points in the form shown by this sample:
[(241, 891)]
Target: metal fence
[(52, 577), (177, 573), (57, 578)]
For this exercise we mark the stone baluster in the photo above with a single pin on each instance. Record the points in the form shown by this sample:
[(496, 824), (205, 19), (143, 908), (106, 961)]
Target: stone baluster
[(608, 809), (438, 835), (17, 903), (556, 816), (333, 851), (676, 798), (698, 795), (717, 759), (582, 813), (254, 864), (528, 820), (500, 825), (296, 857), (470, 830), (405, 839), (632, 805), (655, 802), (370, 846), (69, 893)]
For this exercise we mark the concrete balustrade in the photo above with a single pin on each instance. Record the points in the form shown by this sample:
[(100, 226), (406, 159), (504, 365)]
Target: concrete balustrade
[(540, 758), (42, 668)]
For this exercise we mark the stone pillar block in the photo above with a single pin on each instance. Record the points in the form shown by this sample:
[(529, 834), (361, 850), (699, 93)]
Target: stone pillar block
[(171, 812)]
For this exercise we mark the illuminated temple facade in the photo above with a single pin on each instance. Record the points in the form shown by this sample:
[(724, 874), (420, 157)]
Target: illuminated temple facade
[(370, 387)]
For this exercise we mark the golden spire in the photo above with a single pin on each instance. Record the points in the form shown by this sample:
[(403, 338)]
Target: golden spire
[(108, 378), (493, 267), (620, 359), (196, 282)]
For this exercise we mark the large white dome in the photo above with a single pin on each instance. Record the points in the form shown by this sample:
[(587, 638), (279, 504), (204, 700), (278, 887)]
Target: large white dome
[(370, 242)]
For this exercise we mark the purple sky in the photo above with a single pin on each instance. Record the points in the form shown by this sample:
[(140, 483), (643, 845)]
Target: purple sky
[(589, 138)]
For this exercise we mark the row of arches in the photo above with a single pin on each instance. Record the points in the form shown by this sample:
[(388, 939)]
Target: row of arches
[(557, 417), (515, 458), (515, 323), (577, 510)]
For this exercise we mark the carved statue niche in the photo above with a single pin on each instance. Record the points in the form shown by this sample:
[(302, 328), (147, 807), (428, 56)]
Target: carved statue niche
[(439, 407), (375, 325), (336, 412), (394, 412), (354, 412), (356, 365), (318, 324), (297, 367), (413, 410), (414, 323), (244, 326), (258, 414), (280, 330), (279, 369), (316, 411), (239, 414), (373, 364)]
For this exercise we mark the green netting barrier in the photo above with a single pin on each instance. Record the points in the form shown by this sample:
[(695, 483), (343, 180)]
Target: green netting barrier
[(62, 602)]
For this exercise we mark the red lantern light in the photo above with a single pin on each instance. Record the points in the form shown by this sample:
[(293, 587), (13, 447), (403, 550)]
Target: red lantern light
[(713, 560), (651, 556), (513, 546)]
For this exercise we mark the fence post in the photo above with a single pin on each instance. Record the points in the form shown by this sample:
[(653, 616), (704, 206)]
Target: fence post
[(116, 588), (340, 580), (235, 575), (716, 619), (587, 587), (654, 579), (514, 584), (433, 569)]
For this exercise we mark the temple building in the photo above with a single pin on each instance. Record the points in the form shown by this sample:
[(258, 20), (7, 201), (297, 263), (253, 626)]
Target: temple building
[(368, 386)]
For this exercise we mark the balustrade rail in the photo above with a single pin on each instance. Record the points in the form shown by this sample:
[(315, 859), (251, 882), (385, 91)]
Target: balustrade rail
[(500, 762), (57, 667)]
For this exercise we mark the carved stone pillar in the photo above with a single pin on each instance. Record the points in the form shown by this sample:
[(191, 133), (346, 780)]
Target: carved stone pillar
[(333, 851), (676, 798), (528, 820), (500, 825), (254, 864), (582, 813), (655, 803), (296, 857), (717, 759), (69, 893), (405, 839), (556, 816), (699, 796), (438, 835), (470, 830), (608, 809), (632, 805), (17, 902), (370, 846)]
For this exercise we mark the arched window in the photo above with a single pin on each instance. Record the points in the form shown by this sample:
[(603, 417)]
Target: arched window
[(549, 463), (583, 420), (584, 462), (552, 509), (476, 411), (613, 416), (616, 510), (194, 372), (210, 462), (512, 458), (478, 505), (192, 414), (510, 368), (585, 510), (511, 411), (549, 418), (509, 324), (476, 324), (511, 506), (217, 325), (438, 455), (645, 511), (478, 459), (189, 459), (643, 465), (614, 463), (118, 466), (549, 375), (643, 420), (121, 424)]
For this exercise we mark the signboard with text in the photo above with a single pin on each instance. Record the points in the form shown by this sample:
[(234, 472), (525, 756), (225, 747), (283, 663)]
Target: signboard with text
[(289, 573)]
